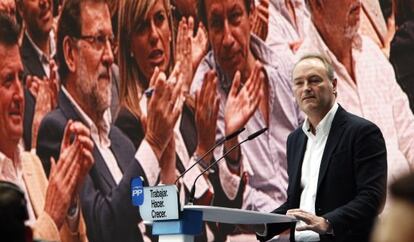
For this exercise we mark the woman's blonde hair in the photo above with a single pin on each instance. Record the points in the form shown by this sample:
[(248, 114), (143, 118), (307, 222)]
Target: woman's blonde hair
[(132, 14)]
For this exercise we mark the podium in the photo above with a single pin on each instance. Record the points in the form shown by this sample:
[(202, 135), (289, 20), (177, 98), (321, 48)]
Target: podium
[(192, 217), (172, 223)]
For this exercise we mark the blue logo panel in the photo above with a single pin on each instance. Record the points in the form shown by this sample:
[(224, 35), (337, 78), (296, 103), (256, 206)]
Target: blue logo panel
[(137, 192)]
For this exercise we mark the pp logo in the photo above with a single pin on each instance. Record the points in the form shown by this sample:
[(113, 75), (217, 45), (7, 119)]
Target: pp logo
[(137, 192)]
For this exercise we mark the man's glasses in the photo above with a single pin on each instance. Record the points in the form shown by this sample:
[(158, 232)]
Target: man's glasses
[(99, 41)]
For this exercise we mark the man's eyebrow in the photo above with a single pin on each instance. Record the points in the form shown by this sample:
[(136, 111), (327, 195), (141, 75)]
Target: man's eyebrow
[(298, 78), (214, 12)]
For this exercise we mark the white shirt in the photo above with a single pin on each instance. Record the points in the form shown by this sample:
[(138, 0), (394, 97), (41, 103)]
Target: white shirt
[(101, 139), (12, 171), (310, 168), (44, 58)]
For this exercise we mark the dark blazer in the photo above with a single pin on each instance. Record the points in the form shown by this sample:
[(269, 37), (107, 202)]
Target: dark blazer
[(107, 209), (32, 66), (352, 178)]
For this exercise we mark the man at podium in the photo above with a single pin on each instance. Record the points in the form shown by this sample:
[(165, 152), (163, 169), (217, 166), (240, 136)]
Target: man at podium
[(337, 164)]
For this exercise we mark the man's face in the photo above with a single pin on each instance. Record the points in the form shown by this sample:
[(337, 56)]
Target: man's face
[(151, 42), (94, 58), (8, 7), (340, 18), (313, 90), (11, 94), (38, 16), (229, 33)]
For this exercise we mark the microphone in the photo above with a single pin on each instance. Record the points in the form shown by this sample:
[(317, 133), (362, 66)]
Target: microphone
[(219, 142), (250, 137)]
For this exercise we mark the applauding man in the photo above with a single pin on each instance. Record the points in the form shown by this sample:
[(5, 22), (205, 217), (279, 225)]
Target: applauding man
[(48, 202), (255, 92)]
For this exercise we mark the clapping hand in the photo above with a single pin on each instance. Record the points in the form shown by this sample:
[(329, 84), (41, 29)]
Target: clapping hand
[(164, 108), (67, 175), (207, 107), (45, 91)]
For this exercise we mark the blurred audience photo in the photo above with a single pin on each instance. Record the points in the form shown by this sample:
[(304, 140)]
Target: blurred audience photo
[(96, 92)]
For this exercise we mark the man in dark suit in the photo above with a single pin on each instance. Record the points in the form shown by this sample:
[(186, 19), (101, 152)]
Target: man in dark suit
[(336, 164), (84, 53), (37, 49)]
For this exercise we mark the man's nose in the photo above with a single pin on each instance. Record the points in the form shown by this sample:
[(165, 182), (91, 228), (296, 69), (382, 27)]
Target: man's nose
[(18, 90), (228, 39), (108, 55)]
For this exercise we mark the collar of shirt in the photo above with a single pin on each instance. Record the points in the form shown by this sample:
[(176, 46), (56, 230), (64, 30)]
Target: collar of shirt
[(298, 5), (324, 125), (99, 132), (10, 169), (43, 57)]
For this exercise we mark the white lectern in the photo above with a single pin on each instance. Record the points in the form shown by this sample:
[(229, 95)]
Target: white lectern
[(192, 217), (171, 223)]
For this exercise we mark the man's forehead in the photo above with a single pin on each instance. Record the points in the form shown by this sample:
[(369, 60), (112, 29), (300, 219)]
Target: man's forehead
[(9, 58), (333, 3), (218, 6), (95, 17), (309, 66)]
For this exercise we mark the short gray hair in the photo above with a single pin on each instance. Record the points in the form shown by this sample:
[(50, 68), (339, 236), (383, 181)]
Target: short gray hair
[(325, 61)]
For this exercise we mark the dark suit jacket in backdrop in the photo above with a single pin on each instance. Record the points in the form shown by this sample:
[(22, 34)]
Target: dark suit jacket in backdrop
[(352, 178), (107, 208), (32, 66)]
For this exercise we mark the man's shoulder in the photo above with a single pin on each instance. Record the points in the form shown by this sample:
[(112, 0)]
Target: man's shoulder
[(118, 137), (26, 48), (355, 123), (295, 134), (370, 48), (207, 63), (55, 122), (55, 116)]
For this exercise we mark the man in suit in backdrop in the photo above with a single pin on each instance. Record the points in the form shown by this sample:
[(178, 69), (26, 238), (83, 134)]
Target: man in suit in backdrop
[(337, 164), (48, 202), (85, 55), (37, 51)]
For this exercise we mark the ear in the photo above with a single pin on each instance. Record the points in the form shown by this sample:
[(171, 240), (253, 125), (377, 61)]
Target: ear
[(69, 54), (334, 83)]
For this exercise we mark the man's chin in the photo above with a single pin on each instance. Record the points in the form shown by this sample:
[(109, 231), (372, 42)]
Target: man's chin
[(16, 133), (103, 105)]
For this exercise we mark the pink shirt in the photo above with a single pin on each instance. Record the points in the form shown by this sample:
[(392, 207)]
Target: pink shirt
[(282, 28), (375, 95)]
